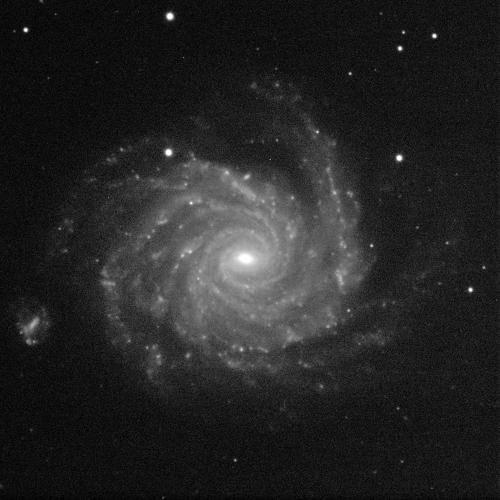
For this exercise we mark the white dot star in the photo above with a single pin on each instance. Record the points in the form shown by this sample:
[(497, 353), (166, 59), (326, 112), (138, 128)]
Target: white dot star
[(470, 289), (168, 152), (170, 16), (26, 29), (434, 36), (399, 157), (400, 48)]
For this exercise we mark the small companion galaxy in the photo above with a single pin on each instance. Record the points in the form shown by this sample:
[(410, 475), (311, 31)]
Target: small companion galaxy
[(250, 251)]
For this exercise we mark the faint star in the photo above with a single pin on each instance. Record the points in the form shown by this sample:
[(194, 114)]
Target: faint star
[(400, 48), (26, 29)]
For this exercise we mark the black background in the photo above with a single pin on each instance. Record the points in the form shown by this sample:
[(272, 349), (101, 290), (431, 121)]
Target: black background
[(89, 75)]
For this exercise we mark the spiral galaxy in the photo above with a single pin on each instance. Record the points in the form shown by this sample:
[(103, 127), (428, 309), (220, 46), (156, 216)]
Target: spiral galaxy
[(232, 261)]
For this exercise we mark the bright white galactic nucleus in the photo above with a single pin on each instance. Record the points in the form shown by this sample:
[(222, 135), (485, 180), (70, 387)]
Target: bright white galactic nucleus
[(234, 259)]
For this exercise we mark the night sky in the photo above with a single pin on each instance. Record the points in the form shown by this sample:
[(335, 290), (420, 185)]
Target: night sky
[(249, 249)]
